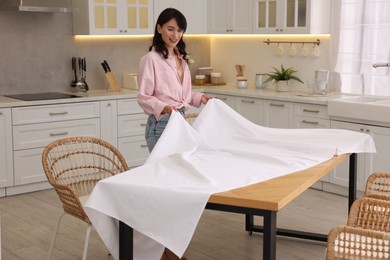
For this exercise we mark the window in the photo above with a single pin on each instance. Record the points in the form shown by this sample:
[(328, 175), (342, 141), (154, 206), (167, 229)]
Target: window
[(360, 37)]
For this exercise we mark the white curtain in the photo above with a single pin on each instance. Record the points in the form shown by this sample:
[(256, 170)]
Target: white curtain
[(360, 37)]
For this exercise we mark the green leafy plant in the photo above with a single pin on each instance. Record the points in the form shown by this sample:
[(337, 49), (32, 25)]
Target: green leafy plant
[(282, 74)]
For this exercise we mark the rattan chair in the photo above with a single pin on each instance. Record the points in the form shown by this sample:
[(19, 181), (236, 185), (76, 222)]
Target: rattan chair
[(378, 186), (370, 213), (73, 166), (346, 242)]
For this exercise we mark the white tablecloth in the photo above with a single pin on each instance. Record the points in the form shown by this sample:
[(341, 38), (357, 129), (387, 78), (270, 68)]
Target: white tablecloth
[(164, 199)]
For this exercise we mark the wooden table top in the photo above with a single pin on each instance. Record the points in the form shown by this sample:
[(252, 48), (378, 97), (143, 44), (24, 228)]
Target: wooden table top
[(276, 193)]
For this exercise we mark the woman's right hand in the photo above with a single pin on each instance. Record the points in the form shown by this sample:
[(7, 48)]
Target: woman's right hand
[(168, 110)]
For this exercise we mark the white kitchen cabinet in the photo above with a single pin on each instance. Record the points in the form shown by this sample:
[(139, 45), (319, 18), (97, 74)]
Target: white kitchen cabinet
[(230, 16), (251, 109), (229, 100), (6, 166), (278, 114), (109, 122), (311, 116), (194, 11), (291, 16), (113, 17), (131, 132), (367, 163), (34, 127)]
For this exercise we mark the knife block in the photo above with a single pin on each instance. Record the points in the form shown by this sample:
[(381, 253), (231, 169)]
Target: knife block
[(115, 87)]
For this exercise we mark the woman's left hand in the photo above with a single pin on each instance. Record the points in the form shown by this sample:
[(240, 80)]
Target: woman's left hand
[(205, 98)]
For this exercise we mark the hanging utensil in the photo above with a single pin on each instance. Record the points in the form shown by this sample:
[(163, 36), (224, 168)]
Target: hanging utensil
[(74, 69), (84, 74), (80, 84)]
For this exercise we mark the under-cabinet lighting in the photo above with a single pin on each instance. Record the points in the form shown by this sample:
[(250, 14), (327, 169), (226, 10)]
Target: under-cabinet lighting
[(127, 37)]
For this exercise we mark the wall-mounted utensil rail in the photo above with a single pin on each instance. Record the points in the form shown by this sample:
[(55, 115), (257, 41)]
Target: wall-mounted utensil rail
[(317, 42)]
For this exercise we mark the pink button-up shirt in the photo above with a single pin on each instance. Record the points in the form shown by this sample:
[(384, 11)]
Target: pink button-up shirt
[(160, 86)]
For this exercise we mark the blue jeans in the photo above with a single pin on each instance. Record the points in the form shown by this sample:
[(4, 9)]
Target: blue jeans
[(154, 129)]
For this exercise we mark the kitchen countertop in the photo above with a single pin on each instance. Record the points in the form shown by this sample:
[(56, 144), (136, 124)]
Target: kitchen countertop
[(271, 94), (101, 95), (93, 95)]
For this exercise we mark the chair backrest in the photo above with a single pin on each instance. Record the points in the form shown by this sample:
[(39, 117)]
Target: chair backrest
[(346, 242), (74, 165), (370, 213), (190, 118), (378, 186)]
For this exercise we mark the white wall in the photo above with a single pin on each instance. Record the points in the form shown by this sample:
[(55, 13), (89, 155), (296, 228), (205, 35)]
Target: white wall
[(36, 51), (258, 57)]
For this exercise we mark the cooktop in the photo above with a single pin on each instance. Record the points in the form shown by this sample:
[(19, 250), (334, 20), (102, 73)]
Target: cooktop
[(41, 96)]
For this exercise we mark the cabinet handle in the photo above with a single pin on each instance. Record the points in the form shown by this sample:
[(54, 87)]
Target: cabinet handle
[(56, 134), (361, 129), (367, 130), (1, 113), (311, 111), (144, 145), (222, 98), (58, 113), (247, 101), (309, 122), (143, 124), (109, 104), (276, 105)]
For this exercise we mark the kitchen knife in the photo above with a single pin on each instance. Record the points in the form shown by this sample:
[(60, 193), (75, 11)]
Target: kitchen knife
[(104, 67), (107, 66)]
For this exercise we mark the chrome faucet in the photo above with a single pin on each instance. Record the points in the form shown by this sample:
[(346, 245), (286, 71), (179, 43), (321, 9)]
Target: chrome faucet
[(376, 65)]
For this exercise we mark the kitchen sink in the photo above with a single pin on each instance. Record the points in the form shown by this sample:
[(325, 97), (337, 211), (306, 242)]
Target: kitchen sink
[(363, 99), (382, 103), (362, 107)]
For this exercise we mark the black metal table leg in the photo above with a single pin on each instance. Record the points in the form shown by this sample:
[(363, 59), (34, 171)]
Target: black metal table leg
[(352, 179), (125, 241), (269, 236), (249, 223)]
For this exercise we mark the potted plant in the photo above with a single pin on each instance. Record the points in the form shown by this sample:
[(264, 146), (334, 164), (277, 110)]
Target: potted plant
[(282, 77)]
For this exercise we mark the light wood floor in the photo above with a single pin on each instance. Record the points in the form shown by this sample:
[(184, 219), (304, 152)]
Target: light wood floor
[(27, 222)]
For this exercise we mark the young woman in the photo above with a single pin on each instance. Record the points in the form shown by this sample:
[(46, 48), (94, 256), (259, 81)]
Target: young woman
[(164, 78)]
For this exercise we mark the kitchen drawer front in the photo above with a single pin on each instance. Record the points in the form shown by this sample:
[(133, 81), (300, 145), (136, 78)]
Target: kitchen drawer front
[(54, 113), (311, 110), (311, 122), (28, 166), (134, 149), (40, 135), (129, 106), (131, 125)]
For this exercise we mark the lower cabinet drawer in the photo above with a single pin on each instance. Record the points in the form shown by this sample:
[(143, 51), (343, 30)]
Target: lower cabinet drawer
[(28, 166), (40, 135), (131, 125), (311, 122), (134, 149)]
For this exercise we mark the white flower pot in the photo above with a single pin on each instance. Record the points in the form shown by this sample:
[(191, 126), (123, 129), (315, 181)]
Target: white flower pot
[(283, 85)]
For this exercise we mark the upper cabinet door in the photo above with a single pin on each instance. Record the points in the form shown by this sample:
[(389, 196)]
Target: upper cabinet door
[(291, 16), (194, 11), (113, 17), (230, 16)]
